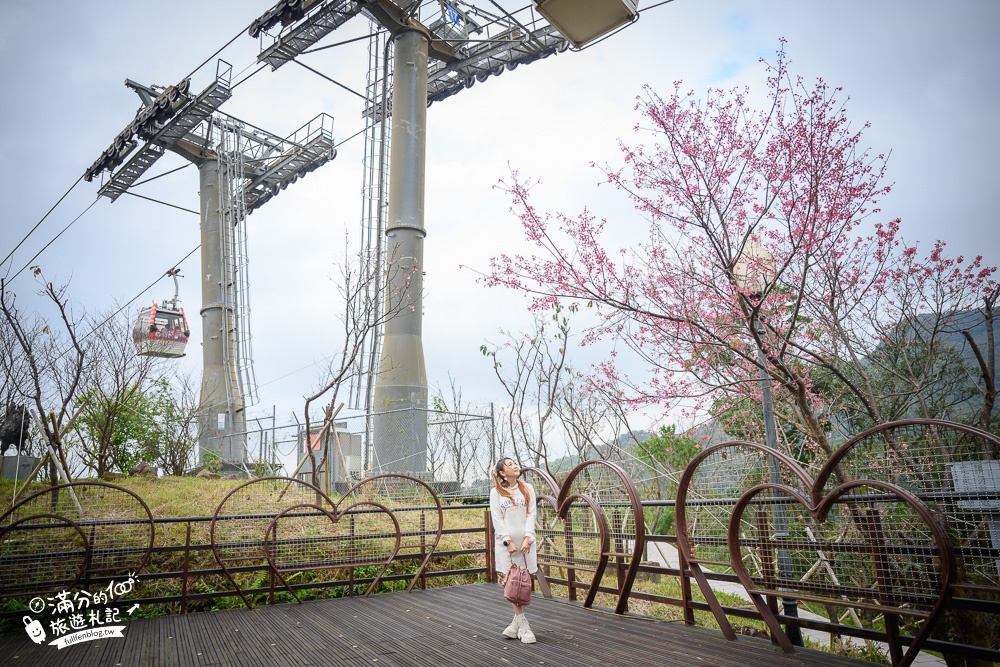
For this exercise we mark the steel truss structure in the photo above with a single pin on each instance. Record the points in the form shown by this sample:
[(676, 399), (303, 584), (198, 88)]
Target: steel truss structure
[(464, 45), (163, 122), (269, 163), (241, 167), (467, 44)]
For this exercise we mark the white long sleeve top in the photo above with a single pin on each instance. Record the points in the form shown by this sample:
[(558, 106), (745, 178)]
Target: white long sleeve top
[(513, 520)]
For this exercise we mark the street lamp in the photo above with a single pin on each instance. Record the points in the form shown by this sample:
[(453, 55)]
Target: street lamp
[(583, 21), (753, 271)]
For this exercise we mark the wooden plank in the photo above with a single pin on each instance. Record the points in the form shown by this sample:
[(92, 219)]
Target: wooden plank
[(457, 626)]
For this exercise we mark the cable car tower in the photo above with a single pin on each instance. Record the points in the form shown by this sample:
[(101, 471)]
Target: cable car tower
[(240, 168), (439, 48)]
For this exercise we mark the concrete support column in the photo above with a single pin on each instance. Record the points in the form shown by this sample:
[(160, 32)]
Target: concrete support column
[(222, 419), (400, 439)]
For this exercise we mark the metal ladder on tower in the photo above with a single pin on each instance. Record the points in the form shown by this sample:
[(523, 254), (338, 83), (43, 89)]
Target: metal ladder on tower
[(232, 161), (375, 184)]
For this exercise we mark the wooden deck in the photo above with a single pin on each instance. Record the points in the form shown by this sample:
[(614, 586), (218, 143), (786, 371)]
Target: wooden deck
[(457, 626)]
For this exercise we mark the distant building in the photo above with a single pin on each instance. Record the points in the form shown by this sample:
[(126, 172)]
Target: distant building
[(343, 454)]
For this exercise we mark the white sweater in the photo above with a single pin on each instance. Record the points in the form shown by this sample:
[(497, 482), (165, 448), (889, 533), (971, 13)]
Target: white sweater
[(513, 520)]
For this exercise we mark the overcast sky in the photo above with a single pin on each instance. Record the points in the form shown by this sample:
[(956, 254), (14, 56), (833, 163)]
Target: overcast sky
[(923, 73)]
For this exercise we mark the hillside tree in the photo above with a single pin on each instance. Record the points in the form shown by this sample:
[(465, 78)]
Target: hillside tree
[(46, 363), (116, 423), (532, 369)]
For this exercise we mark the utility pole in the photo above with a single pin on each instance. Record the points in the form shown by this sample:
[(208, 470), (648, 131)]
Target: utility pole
[(790, 606)]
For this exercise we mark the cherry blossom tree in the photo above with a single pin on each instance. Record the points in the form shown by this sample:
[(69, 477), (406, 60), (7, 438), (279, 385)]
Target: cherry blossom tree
[(720, 175)]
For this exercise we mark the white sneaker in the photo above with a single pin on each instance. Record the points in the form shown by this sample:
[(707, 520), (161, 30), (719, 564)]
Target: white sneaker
[(524, 633), (511, 630)]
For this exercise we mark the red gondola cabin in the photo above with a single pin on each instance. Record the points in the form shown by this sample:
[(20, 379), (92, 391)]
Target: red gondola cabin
[(161, 332)]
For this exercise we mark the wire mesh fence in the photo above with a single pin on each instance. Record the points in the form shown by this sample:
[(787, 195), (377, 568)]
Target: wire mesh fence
[(890, 539), (72, 531), (900, 519), (454, 451), (954, 469)]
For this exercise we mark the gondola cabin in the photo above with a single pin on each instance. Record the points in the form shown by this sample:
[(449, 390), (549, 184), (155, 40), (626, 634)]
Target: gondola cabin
[(161, 332)]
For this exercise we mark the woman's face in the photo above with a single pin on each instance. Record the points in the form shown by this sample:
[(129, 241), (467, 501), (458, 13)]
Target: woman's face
[(511, 470)]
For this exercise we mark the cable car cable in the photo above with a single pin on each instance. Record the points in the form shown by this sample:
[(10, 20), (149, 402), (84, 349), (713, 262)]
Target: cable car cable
[(664, 2), (77, 182), (54, 238), (346, 41), (11, 253), (166, 173), (359, 132), (336, 83), (91, 205), (21, 242), (220, 50), (136, 297), (298, 370), (130, 302), (248, 76), (162, 202)]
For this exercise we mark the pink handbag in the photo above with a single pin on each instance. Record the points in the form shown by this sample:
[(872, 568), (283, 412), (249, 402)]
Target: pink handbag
[(517, 585)]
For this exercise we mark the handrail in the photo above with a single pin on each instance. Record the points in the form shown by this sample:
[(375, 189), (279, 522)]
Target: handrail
[(186, 595), (162, 554), (589, 517)]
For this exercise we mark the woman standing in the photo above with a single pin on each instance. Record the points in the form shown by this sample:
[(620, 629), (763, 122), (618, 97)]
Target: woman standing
[(512, 508)]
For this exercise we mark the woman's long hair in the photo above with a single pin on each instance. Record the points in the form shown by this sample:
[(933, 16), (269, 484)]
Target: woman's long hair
[(499, 482)]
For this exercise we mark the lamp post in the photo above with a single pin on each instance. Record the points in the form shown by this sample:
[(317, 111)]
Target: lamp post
[(753, 270), (583, 21)]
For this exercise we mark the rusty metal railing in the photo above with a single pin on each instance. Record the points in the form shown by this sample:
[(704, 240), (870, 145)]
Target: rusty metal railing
[(892, 540)]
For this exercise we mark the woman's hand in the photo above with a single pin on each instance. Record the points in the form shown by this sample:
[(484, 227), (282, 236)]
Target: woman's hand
[(511, 549), (526, 545)]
